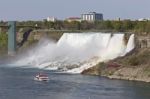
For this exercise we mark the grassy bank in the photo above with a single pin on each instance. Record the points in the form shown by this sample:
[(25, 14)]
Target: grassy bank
[(133, 66)]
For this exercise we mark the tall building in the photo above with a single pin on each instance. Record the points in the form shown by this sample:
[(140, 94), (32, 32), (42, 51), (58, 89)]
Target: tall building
[(92, 16)]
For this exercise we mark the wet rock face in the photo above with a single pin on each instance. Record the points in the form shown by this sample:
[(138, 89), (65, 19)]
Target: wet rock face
[(143, 41)]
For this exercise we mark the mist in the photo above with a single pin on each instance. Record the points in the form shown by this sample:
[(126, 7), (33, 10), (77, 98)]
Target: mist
[(75, 52)]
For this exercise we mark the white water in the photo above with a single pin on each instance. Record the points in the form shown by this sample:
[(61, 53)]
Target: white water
[(75, 52), (130, 45)]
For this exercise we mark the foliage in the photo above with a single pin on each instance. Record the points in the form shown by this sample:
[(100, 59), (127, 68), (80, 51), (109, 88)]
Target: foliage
[(3, 40), (140, 58), (118, 26), (105, 25)]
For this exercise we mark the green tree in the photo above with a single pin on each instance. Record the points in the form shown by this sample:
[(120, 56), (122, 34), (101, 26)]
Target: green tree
[(3, 40), (108, 25), (117, 25), (127, 25), (85, 25)]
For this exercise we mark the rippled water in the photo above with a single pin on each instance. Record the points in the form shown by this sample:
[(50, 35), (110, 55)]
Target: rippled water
[(18, 83)]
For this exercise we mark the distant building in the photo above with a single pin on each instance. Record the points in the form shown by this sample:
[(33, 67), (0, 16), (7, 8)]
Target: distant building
[(117, 19), (92, 16), (51, 19), (144, 19), (70, 19)]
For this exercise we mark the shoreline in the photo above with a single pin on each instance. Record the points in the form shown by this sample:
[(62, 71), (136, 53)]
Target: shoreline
[(128, 79), (124, 73)]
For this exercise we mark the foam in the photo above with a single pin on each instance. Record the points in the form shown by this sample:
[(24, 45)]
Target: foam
[(75, 52)]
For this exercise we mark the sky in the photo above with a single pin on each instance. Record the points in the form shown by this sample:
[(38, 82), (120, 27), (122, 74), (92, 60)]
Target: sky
[(40, 9)]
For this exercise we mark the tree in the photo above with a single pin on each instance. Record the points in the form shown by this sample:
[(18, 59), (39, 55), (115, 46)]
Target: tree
[(127, 25), (3, 40), (117, 25), (58, 25), (108, 25), (85, 25)]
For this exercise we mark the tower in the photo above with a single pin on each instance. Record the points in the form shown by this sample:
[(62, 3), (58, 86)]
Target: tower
[(11, 38)]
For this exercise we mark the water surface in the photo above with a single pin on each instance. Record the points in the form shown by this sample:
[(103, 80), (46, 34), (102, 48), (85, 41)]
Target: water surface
[(18, 83)]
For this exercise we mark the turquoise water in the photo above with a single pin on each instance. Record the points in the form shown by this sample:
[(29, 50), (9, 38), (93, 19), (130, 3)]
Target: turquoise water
[(18, 83)]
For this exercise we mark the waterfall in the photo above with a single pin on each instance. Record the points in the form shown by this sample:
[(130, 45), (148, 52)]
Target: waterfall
[(75, 52)]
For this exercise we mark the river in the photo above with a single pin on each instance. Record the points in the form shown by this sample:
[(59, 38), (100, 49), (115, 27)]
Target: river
[(18, 83)]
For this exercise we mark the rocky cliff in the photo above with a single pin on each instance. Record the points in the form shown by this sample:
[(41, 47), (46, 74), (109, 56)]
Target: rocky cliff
[(134, 66)]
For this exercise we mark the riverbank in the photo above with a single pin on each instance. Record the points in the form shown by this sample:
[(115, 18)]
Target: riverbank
[(134, 66), (127, 73)]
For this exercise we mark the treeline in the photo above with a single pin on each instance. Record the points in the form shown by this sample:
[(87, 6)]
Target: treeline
[(140, 27), (118, 26), (108, 25)]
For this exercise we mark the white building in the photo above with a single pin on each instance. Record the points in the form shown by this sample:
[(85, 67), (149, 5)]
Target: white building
[(144, 19), (52, 19), (70, 19), (92, 16)]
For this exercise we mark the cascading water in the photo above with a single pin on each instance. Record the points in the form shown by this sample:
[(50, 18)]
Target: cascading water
[(130, 45), (75, 52)]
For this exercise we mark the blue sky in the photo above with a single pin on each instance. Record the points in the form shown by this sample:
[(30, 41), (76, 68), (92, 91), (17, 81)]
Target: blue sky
[(39, 9)]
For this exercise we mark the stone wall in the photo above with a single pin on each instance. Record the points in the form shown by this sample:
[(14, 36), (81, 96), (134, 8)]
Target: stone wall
[(143, 41)]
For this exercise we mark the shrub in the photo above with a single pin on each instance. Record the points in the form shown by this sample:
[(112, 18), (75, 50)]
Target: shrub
[(3, 40)]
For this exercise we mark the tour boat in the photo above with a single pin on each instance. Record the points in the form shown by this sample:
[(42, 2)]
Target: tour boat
[(41, 77)]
